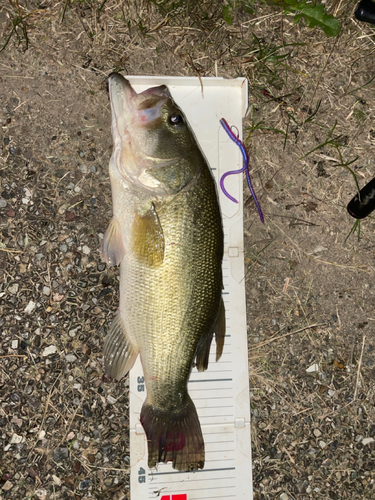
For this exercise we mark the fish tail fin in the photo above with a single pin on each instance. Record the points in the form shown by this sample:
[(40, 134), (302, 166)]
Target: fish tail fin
[(174, 436)]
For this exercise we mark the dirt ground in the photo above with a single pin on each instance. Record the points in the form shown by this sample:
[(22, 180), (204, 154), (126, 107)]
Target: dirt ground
[(309, 282)]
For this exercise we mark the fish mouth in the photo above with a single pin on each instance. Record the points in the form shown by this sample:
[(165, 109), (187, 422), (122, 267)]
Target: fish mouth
[(129, 107), (131, 112)]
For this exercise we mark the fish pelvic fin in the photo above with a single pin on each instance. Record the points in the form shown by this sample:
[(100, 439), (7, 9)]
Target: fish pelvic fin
[(204, 345), (174, 436), (113, 250), (119, 354), (147, 238)]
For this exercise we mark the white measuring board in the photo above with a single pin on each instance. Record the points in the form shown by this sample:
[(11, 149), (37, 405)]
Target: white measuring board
[(220, 394)]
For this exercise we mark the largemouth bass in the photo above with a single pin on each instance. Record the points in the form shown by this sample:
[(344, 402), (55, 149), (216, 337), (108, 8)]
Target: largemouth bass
[(166, 234)]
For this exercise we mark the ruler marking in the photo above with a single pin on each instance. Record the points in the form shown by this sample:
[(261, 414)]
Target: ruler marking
[(200, 471), (213, 380), (215, 498)]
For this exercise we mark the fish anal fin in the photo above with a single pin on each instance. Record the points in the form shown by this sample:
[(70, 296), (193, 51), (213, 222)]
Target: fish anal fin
[(204, 345), (113, 250), (119, 354), (147, 238), (174, 436)]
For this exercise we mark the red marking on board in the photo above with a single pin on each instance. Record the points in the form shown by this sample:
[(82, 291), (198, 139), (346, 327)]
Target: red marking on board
[(179, 496)]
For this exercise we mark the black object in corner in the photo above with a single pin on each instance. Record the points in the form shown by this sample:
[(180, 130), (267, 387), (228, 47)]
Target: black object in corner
[(361, 209), (365, 11)]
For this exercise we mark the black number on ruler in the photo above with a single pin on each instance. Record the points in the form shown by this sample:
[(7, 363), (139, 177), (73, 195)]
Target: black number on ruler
[(141, 474), (141, 385)]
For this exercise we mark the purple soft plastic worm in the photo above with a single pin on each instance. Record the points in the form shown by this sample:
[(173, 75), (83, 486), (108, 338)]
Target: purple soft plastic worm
[(245, 168)]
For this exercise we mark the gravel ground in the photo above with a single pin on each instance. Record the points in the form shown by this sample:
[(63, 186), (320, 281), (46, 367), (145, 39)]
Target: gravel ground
[(309, 280)]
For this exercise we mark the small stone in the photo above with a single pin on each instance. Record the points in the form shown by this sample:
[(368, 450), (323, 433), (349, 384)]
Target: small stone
[(317, 433), (111, 400), (313, 368), (322, 444), (91, 458), (3, 203), (367, 440), (57, 297), (83, 485), (16, 439), (46, 290), (86, 250), (56, 480), (63, 248), (83, 168), (70, 358), (15, 398), (15, 344), (101, 267), (30, 307), (7, 486), (13, 289), (51, 349), (86, 410), (86, 349), (319, 249), (17, 421), (34, 402), (41, 494), (76, 467), (60, 454)]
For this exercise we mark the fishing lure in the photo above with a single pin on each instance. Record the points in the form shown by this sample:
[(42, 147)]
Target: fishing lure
[(363, 204), (245, 168)]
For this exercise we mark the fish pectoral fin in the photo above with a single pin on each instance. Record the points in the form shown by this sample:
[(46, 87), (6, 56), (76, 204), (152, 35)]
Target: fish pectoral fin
[(147, 238), (204, 345), (113, 250), (119, 354)]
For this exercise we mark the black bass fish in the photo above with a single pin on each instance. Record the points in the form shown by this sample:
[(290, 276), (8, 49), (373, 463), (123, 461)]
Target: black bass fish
[(166, 234)]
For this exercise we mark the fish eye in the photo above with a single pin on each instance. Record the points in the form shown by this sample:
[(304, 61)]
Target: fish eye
[(175, 119)]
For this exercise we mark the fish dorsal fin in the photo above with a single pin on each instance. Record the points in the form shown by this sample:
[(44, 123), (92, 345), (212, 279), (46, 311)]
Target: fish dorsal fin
[(203, 349), (119, 354), (113, 250), (147, 238)]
